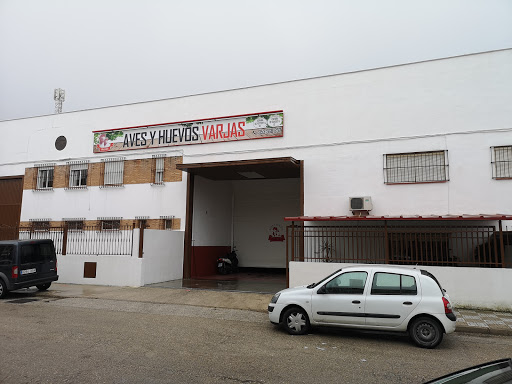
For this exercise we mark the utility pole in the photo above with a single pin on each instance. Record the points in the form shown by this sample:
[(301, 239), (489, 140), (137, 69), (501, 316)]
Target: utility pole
[(59, 95)]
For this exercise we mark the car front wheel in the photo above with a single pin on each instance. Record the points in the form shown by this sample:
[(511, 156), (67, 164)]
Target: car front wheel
[(296, 321), (426, 332), (43, 287)]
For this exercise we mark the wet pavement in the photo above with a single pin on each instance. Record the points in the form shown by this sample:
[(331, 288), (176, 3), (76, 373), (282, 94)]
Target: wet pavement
[(255, 282)]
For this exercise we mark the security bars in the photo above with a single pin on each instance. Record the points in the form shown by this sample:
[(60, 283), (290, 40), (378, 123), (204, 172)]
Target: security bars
[(113, 172), (44, 177), (416, 167), (158, 168), (501, 160), (77, 172)]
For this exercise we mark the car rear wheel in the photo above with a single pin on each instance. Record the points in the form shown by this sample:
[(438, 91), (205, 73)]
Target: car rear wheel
[(426, 332), (3, 289), (296, 321), (43, 287)]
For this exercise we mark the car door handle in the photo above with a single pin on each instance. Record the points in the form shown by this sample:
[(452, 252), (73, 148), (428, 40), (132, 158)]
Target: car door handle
[(407, 303), (356, 302)]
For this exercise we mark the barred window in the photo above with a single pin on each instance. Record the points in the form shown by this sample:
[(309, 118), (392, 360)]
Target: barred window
[(158, 168), (40, 225), (416, 167), (75, 225), (77, 174), (110, 225), (113, 172), (44, 177), (167, 222), (501, 160)]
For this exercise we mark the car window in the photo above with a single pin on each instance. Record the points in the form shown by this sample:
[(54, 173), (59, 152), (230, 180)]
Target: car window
[(6, 254), (347, 283), (393, 284)]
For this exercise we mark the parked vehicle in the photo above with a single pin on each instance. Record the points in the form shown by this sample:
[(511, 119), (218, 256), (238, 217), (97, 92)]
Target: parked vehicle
[(499, 371), (228, 264), (27, 263), (374, 297)]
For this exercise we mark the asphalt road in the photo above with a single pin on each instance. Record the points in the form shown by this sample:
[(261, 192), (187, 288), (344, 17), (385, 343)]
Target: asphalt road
[(79, 340)]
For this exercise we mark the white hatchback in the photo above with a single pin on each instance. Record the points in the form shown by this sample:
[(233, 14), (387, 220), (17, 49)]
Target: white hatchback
[(374, 297)]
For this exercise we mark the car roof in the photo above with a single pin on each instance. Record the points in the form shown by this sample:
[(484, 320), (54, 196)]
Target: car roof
[(384, 268)]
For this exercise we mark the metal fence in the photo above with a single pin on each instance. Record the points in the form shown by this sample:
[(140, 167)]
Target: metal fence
[(90, 240), (469, 246)]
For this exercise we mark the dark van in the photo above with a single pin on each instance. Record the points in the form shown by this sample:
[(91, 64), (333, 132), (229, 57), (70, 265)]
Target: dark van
[(27, 263)]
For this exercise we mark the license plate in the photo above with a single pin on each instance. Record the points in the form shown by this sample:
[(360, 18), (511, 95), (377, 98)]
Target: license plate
[(27, 271), (219, 265)]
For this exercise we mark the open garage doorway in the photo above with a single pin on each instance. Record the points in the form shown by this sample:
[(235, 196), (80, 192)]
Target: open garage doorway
[(240, 205)]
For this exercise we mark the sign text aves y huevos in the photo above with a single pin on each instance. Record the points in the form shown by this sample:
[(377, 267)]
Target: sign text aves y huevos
[(236, 128)]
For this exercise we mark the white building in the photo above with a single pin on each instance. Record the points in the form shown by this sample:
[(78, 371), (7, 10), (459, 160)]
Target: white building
[(428, 141)]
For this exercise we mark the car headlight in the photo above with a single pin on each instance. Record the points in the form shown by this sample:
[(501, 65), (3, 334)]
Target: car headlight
[(274, 298)]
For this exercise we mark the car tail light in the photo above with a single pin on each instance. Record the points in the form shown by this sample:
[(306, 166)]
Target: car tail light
[(14, 273), (447, 306), (55, 265)]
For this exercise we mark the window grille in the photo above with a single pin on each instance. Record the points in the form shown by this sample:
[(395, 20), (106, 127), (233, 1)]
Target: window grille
[(113, 172), (77, 174), (158, 168), (111, 224), (141, 221), (416, 167), (75, 225), (40, 225), (167, 222), (501, 160), (44, 178)]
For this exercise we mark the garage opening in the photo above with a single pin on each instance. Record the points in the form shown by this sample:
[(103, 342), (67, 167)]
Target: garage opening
[(241, 206)]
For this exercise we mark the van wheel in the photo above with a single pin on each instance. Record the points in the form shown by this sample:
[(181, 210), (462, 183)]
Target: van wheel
[(296, 321), (426, 332), (43, 287), (3, 289)]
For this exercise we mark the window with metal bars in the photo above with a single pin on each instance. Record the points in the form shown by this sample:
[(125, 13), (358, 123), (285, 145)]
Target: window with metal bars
[(44, 177), (75, 225), (77, 172), (110, 225), (158, 168), (167, 222), (113, 172), (40, 225), (416, 167), (501, 160)]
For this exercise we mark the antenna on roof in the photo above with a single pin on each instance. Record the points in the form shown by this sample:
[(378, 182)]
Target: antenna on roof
[(59, 95)]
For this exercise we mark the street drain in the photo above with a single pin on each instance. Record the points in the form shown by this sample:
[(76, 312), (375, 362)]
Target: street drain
[(22, 301)]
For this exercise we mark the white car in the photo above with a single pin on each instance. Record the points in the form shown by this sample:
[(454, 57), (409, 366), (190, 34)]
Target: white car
[(374, 297)]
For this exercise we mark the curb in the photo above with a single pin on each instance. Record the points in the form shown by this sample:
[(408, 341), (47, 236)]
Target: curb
[(485, 331)]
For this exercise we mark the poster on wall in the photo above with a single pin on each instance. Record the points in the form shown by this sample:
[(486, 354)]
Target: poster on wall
[(233, 128)]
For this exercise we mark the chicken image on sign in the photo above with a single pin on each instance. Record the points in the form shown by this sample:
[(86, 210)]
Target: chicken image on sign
[(234, 128)]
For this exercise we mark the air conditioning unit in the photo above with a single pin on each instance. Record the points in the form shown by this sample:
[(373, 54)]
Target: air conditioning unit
[(363, 203)]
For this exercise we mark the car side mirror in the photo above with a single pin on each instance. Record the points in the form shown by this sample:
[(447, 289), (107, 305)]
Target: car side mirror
[(322, 291)]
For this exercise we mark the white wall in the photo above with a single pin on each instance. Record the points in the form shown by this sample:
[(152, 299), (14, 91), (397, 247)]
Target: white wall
[(213, 211), (260, 205), (162, 261), (163, 256), (127, 202), (475, 287), (110, 270)]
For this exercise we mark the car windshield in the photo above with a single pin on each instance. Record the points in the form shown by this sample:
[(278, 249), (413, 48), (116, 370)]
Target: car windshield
[(321, 281)]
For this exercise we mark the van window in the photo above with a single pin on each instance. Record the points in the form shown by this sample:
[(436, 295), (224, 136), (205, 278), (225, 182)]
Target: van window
[(36, 253), (6, 254)]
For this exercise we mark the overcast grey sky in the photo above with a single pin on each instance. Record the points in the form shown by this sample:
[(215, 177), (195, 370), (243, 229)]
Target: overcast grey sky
[(111, 52)]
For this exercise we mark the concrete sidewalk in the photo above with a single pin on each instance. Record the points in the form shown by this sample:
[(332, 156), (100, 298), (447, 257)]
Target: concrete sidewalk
[(468, 320)]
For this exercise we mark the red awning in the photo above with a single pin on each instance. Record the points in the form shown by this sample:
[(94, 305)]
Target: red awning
[(479, 217)]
